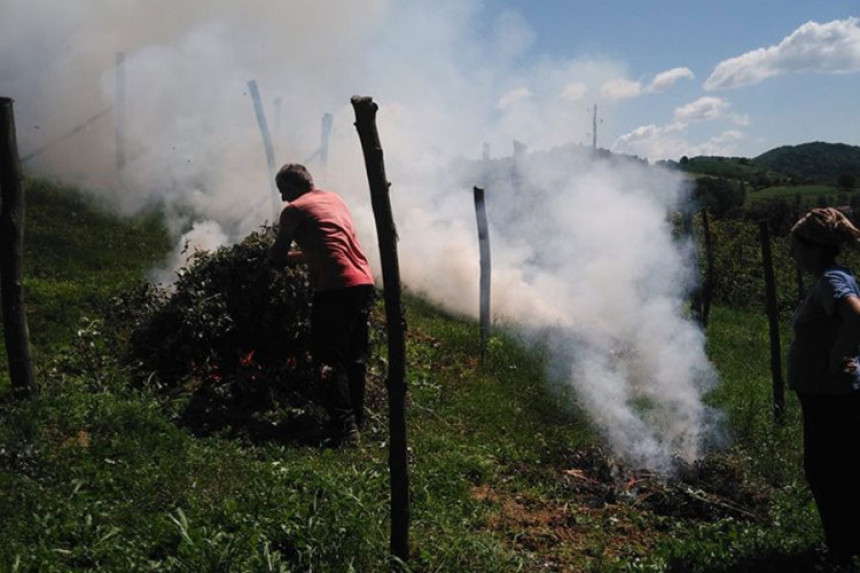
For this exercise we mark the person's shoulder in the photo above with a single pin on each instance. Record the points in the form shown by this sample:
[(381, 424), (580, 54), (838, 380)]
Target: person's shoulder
[(839, 272), (841, 281), (306, 198), (329, 197)]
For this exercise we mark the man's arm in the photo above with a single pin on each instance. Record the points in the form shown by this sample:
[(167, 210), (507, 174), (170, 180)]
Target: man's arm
[(280, 253), (845, 348)]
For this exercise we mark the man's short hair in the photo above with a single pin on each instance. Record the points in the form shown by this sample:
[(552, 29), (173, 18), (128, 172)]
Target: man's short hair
[(294, 175)]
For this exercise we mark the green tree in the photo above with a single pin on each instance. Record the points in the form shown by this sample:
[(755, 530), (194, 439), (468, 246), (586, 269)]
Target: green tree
[(847, 181), (719, 196)]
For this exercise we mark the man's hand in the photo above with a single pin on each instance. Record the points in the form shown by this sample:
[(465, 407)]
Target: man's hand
[(279, 259)]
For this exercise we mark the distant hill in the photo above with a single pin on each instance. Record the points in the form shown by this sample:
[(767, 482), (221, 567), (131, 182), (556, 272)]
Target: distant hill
[(808, 163), (757, 174), (813, 162)]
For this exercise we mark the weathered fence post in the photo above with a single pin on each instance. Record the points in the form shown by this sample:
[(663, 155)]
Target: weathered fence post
[(11, 256), (773, 322), (119, 118), (708, 290), (267, 143), (517, 171), (484, 244), (277, 103), (365, 124), (697, 292), (324, 138)]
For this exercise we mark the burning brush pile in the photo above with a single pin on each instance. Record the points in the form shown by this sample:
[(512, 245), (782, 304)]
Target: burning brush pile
[(227, 344)]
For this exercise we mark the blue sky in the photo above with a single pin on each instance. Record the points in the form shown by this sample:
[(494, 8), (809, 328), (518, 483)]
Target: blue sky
[(811, 96)]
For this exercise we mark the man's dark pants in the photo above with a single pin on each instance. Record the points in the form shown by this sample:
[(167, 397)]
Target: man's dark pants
[(339, 343)]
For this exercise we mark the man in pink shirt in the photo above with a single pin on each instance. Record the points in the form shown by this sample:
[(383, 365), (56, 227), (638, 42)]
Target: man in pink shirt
[(321, 225)]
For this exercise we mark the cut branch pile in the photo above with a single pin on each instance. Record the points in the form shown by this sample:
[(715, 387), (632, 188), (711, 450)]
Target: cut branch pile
[(228, 343)]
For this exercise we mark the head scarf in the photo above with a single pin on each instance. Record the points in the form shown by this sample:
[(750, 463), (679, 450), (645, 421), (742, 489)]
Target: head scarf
[(826, 226)]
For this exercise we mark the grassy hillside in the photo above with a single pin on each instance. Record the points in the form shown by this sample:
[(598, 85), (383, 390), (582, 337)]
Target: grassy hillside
[(737, 168), (506, 472), (77, 254), (808, 194), (814, 162), (812, 174)]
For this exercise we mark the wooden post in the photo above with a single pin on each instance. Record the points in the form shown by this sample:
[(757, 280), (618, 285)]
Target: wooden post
[(11, 256), (485, 175), (277, 103), (267, 143), (365, 124), (708, 291), (119, 118), (696, 294), (484, 244), (324, 138), (519, 154), (773, 322)]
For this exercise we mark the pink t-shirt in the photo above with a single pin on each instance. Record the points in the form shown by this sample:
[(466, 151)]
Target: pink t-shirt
[(321, 224)]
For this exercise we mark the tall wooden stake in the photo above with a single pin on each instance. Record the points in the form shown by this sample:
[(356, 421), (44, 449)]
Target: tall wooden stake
[(119, 117), (696, 294), (517, 175), (17, 334), (324, 138), (267, 143), (484, 244), (277, 103), (365, 124), (708, 291), (773, 322)]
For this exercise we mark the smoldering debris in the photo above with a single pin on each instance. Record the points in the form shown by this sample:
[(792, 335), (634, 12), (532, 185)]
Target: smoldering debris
[(708, 489)]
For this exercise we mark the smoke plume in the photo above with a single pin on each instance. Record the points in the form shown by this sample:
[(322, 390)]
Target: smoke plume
[(583, 254)]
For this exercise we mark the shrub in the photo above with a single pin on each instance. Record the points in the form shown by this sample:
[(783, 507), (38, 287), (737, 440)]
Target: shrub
[(229, 339)]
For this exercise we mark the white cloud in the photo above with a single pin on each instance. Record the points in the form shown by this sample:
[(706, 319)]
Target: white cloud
[(706, 108), (621, 89), (652, 141), (728, 137), (574, 91), (668, 142), (665, 80), (824, 48), (513, 97), (741, 119)]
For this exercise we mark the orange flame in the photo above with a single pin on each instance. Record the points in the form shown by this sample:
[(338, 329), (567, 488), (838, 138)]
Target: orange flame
[(247, 359)]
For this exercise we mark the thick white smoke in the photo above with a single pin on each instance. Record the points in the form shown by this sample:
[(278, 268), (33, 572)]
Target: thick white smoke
[(582, 251)]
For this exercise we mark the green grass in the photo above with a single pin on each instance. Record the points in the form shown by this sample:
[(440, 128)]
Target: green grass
[(77, 254), (98, 476), (808, 192)]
